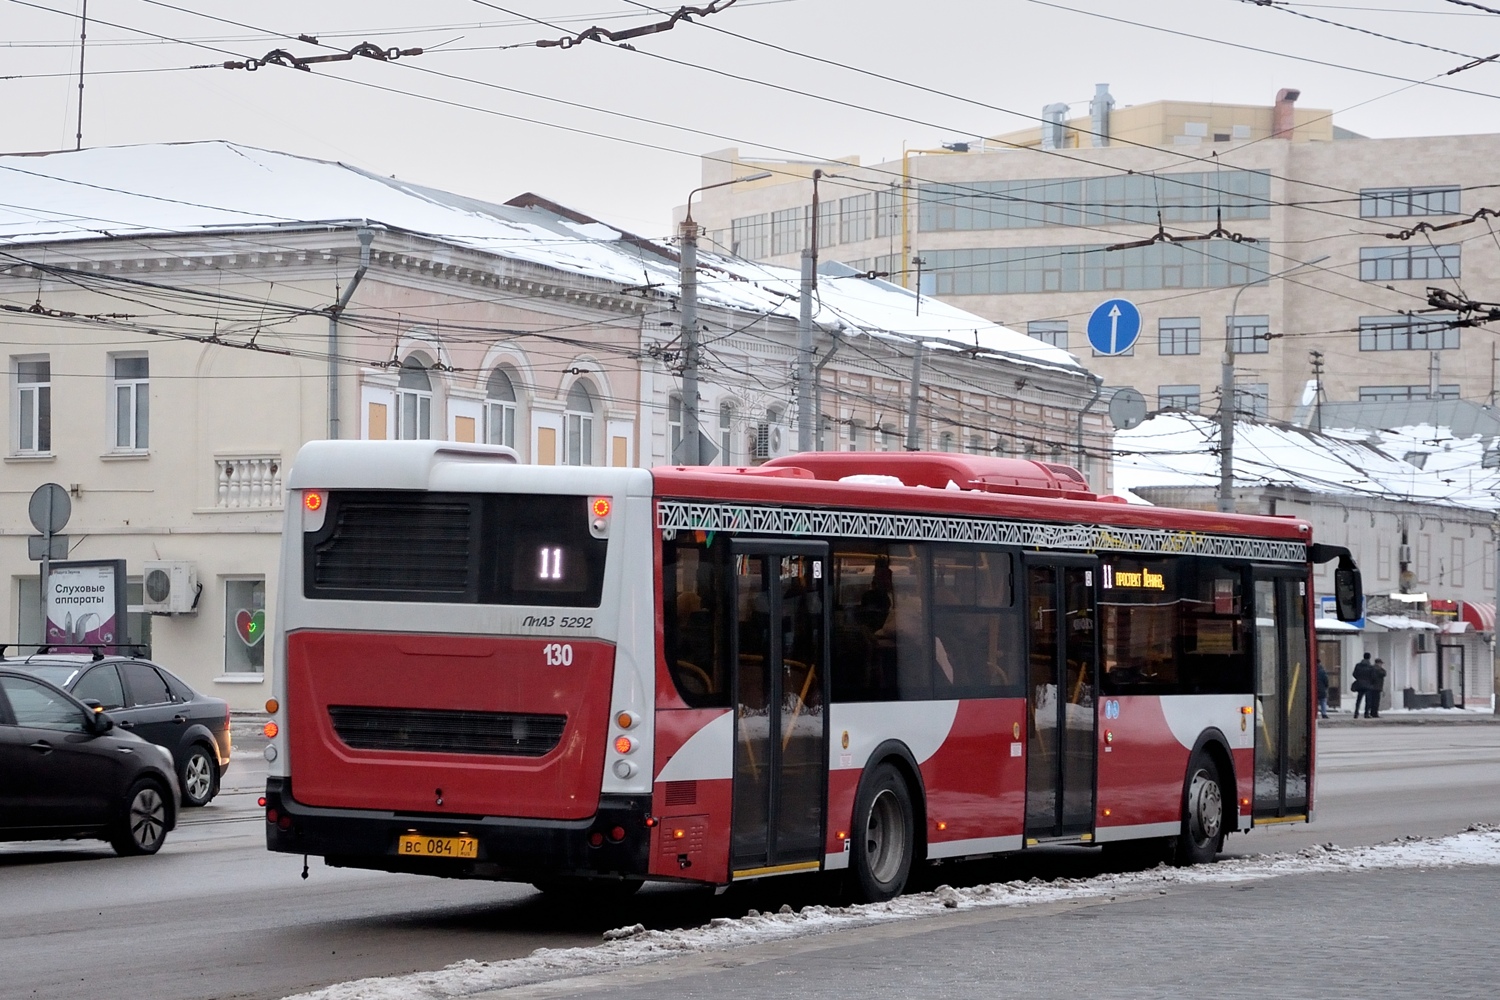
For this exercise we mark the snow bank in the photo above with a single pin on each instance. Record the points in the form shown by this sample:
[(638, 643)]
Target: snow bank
[(634, 945)]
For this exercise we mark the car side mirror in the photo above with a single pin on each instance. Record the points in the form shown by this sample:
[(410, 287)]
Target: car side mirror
[(99, 722)]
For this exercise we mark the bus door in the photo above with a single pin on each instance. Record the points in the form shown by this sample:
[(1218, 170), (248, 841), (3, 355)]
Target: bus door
[(780, 693), (1284, 689), (1061, 676)]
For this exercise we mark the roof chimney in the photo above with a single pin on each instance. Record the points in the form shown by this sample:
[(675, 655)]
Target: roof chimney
[(1283, 119), (1053, 129), (1099, 114)]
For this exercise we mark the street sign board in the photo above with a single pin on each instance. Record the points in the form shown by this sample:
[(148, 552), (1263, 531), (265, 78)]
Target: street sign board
[(85, 604), (1127, 409), (39, 547), (707, 451), (1114, 326), (50, 508)]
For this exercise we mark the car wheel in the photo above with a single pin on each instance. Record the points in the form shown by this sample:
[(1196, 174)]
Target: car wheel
[(199, 776), (1202, 836), (884, 835), (143, 828)]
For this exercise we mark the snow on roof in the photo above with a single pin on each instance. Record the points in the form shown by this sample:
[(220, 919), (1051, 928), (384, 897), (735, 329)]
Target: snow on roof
[(208, 187), (1181, 449)]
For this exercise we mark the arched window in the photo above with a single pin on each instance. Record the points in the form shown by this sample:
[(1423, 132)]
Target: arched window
[(945, 441), (674, 426), (726, 433), (888, 437), (999, 446), (579, 417), (414, 402), (856, 429), (500, 409), (976, 445)]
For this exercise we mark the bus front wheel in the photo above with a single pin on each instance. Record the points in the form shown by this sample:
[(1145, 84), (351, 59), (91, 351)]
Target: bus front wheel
[(884, 835), (1202, 836)]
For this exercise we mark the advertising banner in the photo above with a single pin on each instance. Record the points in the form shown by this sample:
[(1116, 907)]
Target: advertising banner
[(85, 604)]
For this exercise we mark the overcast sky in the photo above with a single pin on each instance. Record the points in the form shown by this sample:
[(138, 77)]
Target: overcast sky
[(616, 133)]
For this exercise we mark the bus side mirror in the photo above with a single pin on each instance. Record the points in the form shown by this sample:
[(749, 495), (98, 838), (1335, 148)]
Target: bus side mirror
[(1348, 591)]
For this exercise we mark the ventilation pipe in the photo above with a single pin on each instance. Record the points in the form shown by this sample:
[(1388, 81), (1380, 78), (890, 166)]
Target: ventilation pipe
[(1052, 127), (1283, 115), (1099, 109)]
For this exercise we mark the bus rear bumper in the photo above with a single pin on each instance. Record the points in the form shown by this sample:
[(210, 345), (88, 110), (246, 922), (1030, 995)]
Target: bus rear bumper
[(510, 849)]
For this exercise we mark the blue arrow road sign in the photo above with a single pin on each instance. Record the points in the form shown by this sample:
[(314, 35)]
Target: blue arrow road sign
[(1114, 326)]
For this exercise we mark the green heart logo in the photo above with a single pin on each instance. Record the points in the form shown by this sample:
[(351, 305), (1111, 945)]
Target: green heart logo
[(251, 627)]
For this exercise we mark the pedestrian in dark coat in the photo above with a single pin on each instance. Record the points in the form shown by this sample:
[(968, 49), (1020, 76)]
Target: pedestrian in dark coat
[(1374, 688), (1322, 691), (1361, 682)]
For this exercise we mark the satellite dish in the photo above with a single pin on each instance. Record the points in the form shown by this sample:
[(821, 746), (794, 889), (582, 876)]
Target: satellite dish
[(1127, 409)]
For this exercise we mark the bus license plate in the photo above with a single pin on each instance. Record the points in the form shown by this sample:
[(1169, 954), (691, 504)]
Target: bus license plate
[(438, 847)]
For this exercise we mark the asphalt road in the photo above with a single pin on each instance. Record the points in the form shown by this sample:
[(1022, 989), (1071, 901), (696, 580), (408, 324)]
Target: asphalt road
[(215, 915)]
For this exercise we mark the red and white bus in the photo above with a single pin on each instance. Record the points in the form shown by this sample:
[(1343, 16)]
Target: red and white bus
[(831, 661)]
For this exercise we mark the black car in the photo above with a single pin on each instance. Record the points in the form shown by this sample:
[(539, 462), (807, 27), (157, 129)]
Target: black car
[(66, 771), (152, 703)]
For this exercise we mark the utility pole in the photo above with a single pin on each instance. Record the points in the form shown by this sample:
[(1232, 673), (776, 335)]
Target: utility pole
[(687, 252), (804, 369), (83, 37), (687, 257), (912, 442), (1317, 367), (1226, 393)]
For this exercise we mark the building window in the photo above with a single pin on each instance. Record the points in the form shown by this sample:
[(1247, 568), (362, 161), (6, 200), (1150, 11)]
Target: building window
[(788, 231), (946, 441), (33, 423), (1248, 334), (1179, 397), (888, 437), (1409, 263), (1253, 399), (854, 218), (1178, 336), (674, 426), (130, 385), (1049, 331), (1090, 268), (976, 445), (828, 223), (887, 213), (245, 626), (726, 433), (1385, 203), (500, 409), (856, 430), (413, 402), (578, 415), (1398, 393), (1433, 332), (750, 236), (1192, 196)]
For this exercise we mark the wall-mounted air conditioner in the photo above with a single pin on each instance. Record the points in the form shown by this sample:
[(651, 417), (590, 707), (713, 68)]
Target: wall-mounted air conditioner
[(170, 587)]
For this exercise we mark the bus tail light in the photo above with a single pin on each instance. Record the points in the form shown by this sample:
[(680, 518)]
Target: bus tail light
[(271, 729), (616, 834), (623, 744), (599, 508), (624, 770), (314, 509)]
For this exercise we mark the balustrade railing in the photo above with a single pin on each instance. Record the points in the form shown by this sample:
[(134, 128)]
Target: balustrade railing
[(249, 482)]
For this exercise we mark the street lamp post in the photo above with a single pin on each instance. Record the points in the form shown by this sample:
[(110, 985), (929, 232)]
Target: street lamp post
[(1226, 391), (687, 234)]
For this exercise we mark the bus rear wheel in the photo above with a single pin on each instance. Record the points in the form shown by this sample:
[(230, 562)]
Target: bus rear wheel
[(884, 835), (1202, 836)]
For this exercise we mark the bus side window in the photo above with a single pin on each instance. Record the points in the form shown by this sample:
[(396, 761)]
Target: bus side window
[(974, 627), (881, 645), (692, 627)]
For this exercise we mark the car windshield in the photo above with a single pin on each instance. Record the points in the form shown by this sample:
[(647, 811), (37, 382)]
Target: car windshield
[(61, 674)]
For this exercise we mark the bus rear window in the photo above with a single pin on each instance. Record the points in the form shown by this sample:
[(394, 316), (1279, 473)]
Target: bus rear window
[(458, 548)]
